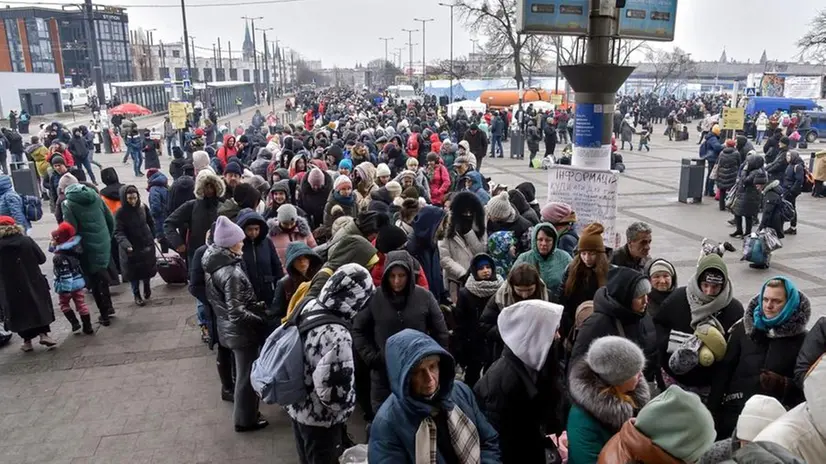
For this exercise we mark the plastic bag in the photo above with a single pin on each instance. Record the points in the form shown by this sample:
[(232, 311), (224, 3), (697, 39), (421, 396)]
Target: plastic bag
[(770, 240), (355, 455)]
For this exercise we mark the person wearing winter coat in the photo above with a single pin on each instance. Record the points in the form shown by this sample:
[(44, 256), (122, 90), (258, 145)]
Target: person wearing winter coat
[(151, 148), (261, 261), (11, 204), (448, 156), (314, 190), (182, 189), (482, 283), (158, 199), (673, 428), (110, 194), (471, 181), (69, 283), (398, 304), (819, 174), (607, 389), (760, 452), (772, 207), (319, 421), (38, 153), (563, 218), (503, 216), (520, 393), (697, 315), (341, 197), (748, 198), (759, 411), (710, 151), (523, 283), (728, 168), (302, 263), (477, 143), (777, 161), (176, 166), (793, 181), (392, 238), (519, 202), (77, 146), (663, 279), (619, 309), (288, 227), (90, 217), (363, 177), (430, 417), (533, 138), (227, 150), (134, 232), (25, 300), (583, 276), (544, 254), (239, 316), (350, 249), (438, 178), (465, 237), (761, 353), (814, 346), (186, 227), (422, 245), (800, 431), (528, 190)]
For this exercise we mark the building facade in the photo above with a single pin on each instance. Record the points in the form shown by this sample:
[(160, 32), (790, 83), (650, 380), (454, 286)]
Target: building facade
[(44, 40)]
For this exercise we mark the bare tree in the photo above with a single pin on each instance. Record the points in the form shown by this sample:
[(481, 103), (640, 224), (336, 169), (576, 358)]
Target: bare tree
[(463, 68), (813, 43), (532, 59), (671, 68)]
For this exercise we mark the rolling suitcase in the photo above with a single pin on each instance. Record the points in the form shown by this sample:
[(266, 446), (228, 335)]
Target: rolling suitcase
[(172, 268)]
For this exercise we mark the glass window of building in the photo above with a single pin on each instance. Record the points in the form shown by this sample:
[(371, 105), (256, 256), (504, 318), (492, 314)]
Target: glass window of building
[(15, 46)]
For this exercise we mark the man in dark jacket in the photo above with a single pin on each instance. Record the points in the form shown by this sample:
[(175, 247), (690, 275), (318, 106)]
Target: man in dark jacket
[(814, 346), (520, 394), (776, 162), (634, 254), (793, 180), (422, 245), (744, 147), (478, 143), (728, 168), (79, 151), (619, 309), (710, 151), (497, 131), (399, 304)]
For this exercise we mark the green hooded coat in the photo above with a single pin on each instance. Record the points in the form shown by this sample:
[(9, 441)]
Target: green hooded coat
[(552, 266), (92, 220)]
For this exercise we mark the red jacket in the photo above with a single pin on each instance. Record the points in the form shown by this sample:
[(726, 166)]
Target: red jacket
[(67, 157), (439, 184), (308, 120), (378, 272), (413, 145), (225, 152), (435, 143)]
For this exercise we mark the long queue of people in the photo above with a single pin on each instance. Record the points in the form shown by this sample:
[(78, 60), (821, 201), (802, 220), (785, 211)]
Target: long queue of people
[(467, 322)]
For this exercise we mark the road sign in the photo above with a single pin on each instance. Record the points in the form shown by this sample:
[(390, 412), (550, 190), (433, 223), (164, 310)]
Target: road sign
[(734, 118), (751, 92), (648, 19), (167, 84), (187, 86)]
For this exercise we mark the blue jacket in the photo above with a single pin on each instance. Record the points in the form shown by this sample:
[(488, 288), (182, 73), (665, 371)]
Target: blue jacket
[(422, 245), (68, 275), (476, 186), (393, 432), (794, 177), (711, 148), (158, 199), (260, 258), (11, 204)]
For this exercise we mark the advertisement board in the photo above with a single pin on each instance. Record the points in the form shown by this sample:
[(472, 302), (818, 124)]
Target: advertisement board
[(648, 20), (802, 87), (553, 17)]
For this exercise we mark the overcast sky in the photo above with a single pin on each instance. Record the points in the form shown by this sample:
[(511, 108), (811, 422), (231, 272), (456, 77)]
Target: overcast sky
[(343, 32)]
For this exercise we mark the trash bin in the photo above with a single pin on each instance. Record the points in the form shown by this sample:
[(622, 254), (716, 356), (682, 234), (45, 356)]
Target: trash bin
[(24, 178), (692, 178), (517, 144)]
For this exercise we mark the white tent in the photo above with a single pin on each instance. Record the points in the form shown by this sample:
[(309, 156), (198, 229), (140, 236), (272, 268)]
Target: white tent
[(468, 105)]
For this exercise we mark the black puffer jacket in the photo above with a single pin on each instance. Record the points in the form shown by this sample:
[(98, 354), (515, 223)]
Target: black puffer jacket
[(134, 229), (189, 224), (776, 169), (750, 353), (313, 201), (814, 346), (239, 321), (748, 198), (613, 316), (728, 165)]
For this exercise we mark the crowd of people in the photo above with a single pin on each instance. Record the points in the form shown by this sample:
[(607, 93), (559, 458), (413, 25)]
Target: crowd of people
[(466, 322)]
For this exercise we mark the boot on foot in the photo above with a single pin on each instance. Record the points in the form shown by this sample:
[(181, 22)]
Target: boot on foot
[(227, 395), (46, 340), (138, 300), (104, 321), (87, 324), (27, 346), (790, 231), (70, 316)]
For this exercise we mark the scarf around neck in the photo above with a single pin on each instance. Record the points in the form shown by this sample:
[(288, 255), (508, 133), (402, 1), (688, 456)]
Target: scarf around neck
[(347, 201), (464, 437), (761, 322), (704, 306), (483, 288)]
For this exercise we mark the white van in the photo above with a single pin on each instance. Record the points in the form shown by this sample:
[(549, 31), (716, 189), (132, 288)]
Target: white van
[(74, 98)]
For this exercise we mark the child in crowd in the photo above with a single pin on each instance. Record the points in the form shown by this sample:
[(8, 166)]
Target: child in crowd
[(69, 283)]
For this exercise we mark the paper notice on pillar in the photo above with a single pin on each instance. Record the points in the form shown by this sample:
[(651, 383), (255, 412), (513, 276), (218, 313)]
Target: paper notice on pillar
[(591, 193)]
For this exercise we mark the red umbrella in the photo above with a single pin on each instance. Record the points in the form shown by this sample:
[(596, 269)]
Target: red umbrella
[(130, 108)]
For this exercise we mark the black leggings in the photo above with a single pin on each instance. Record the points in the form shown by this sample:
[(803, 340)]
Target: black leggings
[(739, 223), (793, 200)]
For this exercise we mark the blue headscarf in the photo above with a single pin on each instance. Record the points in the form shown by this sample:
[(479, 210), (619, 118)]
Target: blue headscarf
[(761, 322)]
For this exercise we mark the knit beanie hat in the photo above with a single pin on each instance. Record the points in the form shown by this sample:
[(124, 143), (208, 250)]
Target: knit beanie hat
[(63, 233), (315, 178), (57, 159), (394, 188), (65, 181), (382, 170), (7, 221), (712, 269), (370, 222), (661, 265), (390, 238), (758, 413), (227, 233), (715, 129), (200, 160), (499, 208), (346, 164), (342, 182), (558, 213), (730, 143), (151, 172), (591, 238), (615, 359), (287, 213), (246, 196), (410, 192), (468, 158), (233, 168), (678, 422)]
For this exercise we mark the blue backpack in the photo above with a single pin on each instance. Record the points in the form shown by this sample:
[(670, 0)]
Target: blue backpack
[(278, 373), (32, 207)]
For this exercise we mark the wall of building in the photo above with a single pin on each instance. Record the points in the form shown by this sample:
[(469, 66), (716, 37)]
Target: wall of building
[(11, 83)]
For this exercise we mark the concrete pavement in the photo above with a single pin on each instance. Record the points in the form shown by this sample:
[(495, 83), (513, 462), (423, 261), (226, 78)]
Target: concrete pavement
[(145, 389)]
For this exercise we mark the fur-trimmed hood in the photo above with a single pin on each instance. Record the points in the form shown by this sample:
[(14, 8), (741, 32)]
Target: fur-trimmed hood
[(205, 177), (796, 325), (467, 201), (302, 227), (588, 392), (8, 231)]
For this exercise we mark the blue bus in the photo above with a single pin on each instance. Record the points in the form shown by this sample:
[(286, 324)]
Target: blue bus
[(771, 104)]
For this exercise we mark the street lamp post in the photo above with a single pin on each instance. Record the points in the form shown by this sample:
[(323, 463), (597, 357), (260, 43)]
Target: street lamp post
[(186, 41), (475, 44), (424, 47), (384, 65), (254, 59), (410, 49), (451, 46), (266, 66)]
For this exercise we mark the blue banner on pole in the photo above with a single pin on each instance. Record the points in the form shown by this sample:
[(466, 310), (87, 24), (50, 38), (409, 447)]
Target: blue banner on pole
[(588, 125), (648, 20), (562, 17)]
